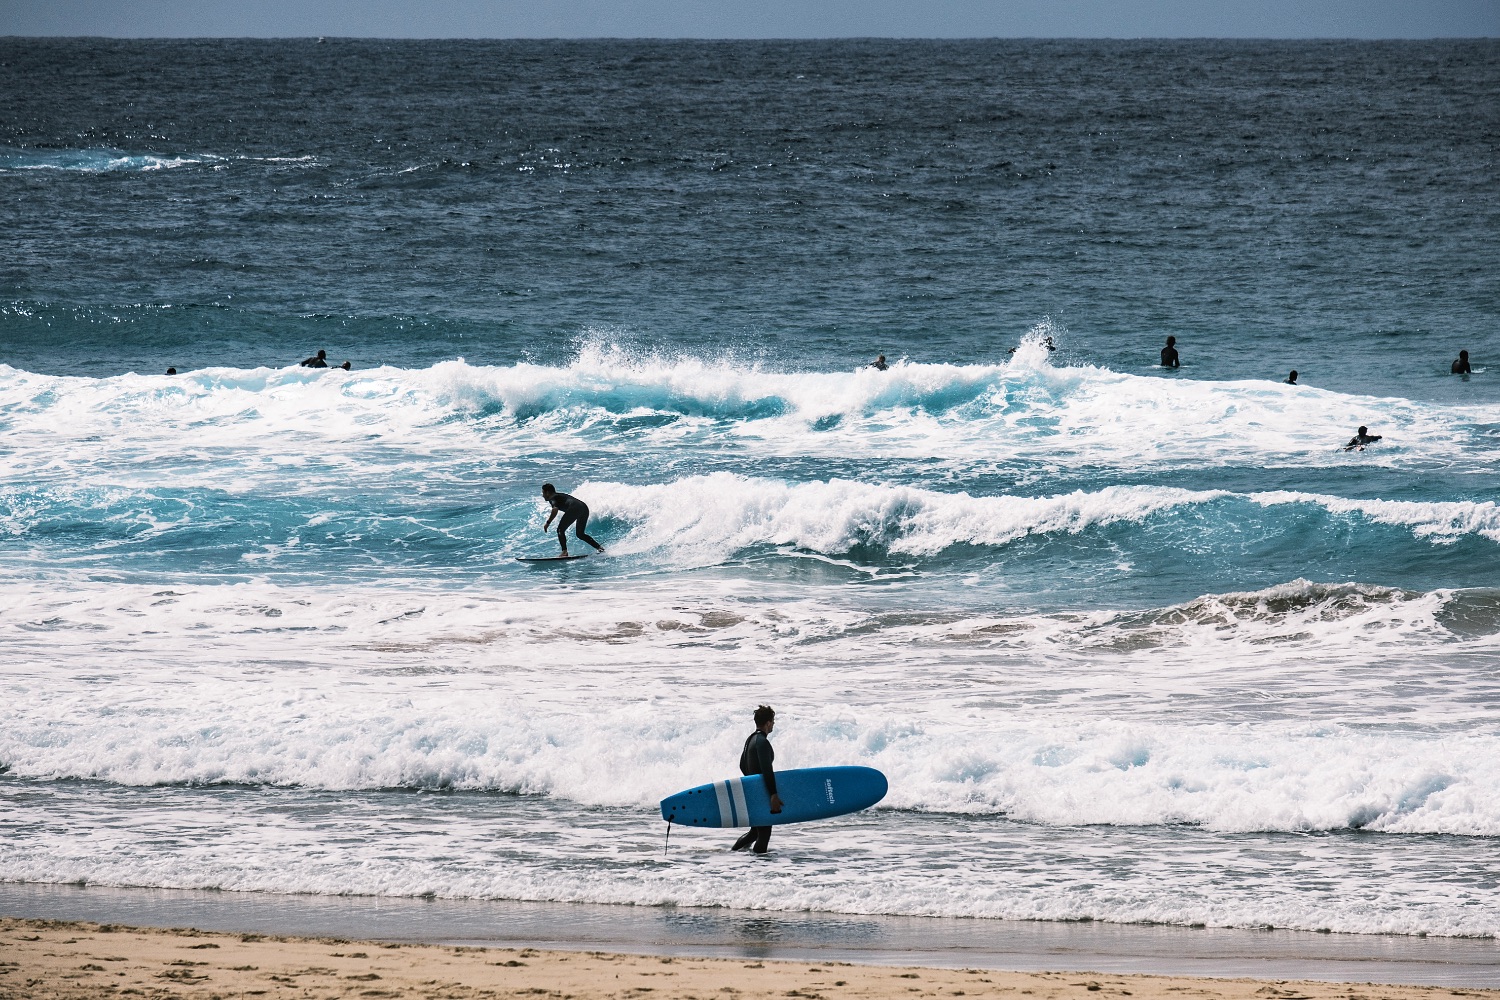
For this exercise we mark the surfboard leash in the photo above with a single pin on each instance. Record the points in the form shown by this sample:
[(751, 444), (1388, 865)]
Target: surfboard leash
[(669, 837)]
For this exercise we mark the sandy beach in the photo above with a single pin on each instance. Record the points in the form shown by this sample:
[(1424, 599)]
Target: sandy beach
[(56, 959)]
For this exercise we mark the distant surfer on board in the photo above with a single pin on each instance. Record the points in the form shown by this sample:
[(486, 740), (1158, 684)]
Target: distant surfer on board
[(573, 511), (1362, 438), (757, 758)]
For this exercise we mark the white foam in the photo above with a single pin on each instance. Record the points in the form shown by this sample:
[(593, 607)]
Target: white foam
[(500, 847), (704, 520), (609, 402), (1443, 522), (97, 161), (1062, 720)]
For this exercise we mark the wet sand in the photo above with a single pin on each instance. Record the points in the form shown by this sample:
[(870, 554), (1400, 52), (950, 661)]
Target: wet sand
[(46, 959)]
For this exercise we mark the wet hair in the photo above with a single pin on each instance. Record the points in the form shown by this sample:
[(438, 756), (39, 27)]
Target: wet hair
[(1463, 354), (171, 371), (548, 488), (764, 714), (322, 354), (1363, 429), (1171, 341)]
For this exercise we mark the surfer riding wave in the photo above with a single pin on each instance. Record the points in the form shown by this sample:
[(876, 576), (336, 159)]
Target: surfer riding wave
[(573, 511)]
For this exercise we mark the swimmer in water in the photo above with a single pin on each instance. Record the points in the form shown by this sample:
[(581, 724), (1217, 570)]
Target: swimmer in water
[(1364, 437), (1169, 354), (1461, 366), (1292, 378), (878, 364), (319, 360)]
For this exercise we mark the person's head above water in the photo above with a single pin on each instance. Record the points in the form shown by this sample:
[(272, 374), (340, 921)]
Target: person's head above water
[(1171, 341), (1464, 355), (1293, 376), (548, 491), (323, 355), (1363, 430), (765, 718), (345, 366), (171, 371)]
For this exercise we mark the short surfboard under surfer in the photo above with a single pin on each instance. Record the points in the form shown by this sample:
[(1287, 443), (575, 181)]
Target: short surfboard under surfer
[(574, 512)]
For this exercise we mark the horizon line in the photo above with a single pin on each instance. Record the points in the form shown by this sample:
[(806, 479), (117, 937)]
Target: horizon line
[(748, 38)]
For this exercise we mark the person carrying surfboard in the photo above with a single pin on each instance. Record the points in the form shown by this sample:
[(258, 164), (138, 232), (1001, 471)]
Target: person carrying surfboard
[(573, 511), (757, 758)]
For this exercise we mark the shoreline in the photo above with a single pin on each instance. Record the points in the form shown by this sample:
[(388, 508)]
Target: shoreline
[(76, 960), (724, 934)]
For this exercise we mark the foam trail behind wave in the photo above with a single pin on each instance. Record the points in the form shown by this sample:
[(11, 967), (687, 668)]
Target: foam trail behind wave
[(95, 161)]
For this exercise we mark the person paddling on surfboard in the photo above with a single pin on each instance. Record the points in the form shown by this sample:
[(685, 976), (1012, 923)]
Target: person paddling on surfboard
[(1362, 438), (573, 511), (757, 758)]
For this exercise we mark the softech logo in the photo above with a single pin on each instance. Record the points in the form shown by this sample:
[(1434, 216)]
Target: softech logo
[(828, 788)]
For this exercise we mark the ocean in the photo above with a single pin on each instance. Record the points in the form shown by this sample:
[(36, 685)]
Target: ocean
[(1131, 644)]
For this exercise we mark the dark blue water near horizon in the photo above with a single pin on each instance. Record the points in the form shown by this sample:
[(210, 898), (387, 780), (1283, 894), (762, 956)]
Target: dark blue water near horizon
[(1329, 206)]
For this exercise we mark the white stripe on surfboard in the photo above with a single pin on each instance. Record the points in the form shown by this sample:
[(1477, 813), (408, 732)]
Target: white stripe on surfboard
[(737, 788), (726, 813)]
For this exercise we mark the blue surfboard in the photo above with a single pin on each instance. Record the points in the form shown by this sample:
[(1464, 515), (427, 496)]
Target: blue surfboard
[(807, 793)]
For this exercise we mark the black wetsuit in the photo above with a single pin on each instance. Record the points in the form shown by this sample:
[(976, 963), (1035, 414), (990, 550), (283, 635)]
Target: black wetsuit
[(1169, 357), (1360, 440), (757, 758), (573, 510), (313, 362), (1461, 367)]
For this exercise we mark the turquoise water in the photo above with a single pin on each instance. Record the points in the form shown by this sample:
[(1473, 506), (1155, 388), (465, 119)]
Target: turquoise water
[(1131, 644)]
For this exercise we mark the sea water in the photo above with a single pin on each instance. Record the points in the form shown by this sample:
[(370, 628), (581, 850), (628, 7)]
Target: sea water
[(1131, 644)]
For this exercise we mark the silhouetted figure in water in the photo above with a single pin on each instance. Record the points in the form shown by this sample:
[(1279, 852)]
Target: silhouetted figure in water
[(1046, 342), (878, 364), (171, 371), (1292, 378), (758, 758), (1461, 366), (1169, 354), (1364, 437), (572, 510), (345, 366), (320, 360)]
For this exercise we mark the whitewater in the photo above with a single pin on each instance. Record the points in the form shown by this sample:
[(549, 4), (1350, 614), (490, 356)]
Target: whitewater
[(1128, 647)]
